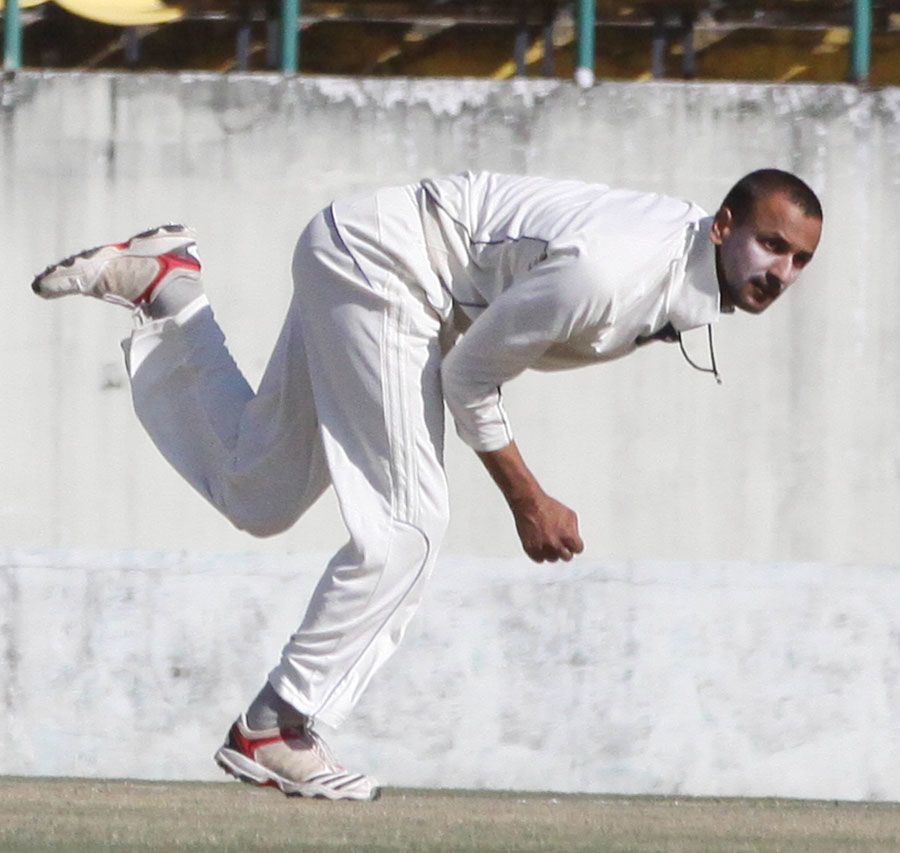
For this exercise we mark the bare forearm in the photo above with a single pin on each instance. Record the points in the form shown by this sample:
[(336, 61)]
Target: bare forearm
[(547, 529), (512, 476)]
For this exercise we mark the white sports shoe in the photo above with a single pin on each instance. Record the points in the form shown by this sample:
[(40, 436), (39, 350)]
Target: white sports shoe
[(295, 760), (126, 273)]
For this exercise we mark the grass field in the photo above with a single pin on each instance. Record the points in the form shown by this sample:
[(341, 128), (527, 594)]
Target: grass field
[(89, 815)]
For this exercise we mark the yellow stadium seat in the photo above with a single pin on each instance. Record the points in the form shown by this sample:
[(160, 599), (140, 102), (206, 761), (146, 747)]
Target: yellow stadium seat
[(124, 13)]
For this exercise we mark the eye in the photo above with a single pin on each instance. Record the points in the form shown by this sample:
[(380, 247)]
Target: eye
[(773, 244)]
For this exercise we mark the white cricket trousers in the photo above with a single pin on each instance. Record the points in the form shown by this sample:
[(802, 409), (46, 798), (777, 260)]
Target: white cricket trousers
[(352, 397)]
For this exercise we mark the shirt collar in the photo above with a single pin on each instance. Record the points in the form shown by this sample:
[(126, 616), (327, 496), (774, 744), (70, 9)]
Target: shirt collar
[(694, 299)]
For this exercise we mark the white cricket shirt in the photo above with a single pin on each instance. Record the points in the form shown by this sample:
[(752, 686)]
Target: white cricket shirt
[(535, 273)]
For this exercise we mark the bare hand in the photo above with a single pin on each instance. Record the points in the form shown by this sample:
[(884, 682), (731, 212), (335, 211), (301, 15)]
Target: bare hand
[(547, 529)]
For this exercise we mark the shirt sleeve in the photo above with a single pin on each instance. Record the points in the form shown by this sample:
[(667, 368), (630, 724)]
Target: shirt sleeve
[(559, 300)]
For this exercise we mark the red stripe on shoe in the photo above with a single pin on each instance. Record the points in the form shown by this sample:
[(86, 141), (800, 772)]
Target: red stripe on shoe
[(249, 745), (167, 263)]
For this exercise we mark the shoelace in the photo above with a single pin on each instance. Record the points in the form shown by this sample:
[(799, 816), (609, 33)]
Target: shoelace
[(321, 749), (310, 737)]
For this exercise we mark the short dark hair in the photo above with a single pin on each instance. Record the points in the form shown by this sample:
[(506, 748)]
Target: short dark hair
[(744, 195)]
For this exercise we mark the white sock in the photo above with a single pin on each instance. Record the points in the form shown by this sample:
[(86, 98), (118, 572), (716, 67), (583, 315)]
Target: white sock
[(268, 711), (173, 296)]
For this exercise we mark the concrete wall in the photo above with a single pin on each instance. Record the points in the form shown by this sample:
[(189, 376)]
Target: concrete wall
[(629, 677), (794, 460)]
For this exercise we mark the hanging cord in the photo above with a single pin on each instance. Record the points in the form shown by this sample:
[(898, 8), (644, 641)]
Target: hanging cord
[(712, 356)]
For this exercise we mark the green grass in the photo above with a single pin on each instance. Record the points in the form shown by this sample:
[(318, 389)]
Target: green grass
[(92, 815)]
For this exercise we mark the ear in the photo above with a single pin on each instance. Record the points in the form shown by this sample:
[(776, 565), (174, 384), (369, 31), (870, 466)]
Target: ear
[(721, 227)]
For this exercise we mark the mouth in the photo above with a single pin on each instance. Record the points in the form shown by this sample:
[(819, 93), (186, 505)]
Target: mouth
[(762, 291)]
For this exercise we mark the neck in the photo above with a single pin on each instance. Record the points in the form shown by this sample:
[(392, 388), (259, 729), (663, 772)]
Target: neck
[(726, 306)]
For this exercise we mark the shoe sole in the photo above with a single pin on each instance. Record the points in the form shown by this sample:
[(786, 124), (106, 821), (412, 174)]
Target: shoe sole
[(155, 241), (246, 770)]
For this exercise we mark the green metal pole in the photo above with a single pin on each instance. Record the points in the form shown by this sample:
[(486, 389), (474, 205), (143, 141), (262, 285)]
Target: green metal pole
[(290, 13), (861, 47), (584, 66), (12, 26)]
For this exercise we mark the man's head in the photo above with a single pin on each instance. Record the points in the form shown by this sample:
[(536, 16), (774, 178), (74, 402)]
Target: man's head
[(765, 232)]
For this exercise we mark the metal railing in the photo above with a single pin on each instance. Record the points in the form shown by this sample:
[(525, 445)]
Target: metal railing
[(861, 42), (12, 36)]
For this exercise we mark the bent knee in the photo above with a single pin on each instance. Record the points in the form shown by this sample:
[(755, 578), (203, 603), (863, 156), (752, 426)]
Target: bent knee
[(262, 527)]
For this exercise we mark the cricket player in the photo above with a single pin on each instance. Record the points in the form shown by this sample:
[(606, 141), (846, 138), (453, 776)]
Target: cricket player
[(405, 299)]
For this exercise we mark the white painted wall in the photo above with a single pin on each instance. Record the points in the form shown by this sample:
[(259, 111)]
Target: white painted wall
[(795, 457), (794, 460), (628, 677)]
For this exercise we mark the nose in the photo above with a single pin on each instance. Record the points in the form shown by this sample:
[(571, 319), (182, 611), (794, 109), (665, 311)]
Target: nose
[(784, 271)]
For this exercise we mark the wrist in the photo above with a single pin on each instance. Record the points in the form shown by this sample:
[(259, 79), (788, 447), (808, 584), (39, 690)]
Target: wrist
[(524, 496), (519, 486)]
